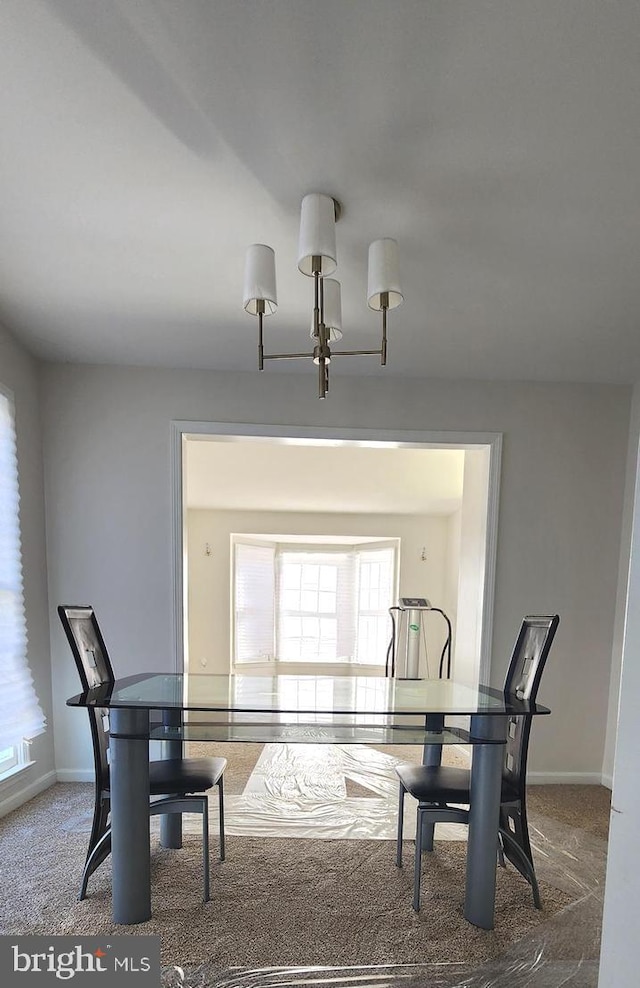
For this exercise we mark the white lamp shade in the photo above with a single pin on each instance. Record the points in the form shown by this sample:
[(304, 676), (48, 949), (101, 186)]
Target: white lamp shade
[(332, 307), (383, 274), (317, 234), (260, 279)]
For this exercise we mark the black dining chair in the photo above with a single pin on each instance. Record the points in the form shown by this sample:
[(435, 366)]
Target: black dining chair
[(177, 785), (439, 788)]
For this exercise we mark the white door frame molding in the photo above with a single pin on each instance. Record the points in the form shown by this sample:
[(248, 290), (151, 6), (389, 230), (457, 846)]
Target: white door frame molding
[(181, 431)]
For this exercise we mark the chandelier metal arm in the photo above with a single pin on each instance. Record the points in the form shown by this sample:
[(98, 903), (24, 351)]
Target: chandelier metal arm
[(355, 353), (285, 356)]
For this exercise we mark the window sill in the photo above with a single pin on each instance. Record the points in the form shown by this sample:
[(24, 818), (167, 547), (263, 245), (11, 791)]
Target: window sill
[(8, 777)]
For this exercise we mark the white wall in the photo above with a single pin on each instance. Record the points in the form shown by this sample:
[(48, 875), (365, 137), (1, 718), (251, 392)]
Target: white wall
[(622, 588), (209, 576), (452, 574), (107, 449), (19, 373), (621, 920), (471, 570)]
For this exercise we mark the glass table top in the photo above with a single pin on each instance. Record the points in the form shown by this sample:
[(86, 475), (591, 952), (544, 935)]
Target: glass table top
[(305, 695)]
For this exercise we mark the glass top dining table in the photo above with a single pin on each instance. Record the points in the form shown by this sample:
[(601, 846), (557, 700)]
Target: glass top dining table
[(311, 709), (362, 697)]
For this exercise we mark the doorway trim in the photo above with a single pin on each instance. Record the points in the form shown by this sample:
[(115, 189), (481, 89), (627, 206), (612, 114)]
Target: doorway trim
[(181, 431)]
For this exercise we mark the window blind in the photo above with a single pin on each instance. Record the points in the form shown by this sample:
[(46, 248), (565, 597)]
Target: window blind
[(254, 602), (20, 713)]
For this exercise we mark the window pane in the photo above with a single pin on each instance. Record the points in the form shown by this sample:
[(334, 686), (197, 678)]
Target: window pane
[(8, 759), (310, 628), (308, 600), (292, 627), (290, 576), (328, 578), (290, 650), (290, 600), (310, 577)]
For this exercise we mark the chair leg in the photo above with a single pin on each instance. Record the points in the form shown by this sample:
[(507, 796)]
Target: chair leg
[(537, 901), (221, 814), (99, 824), (205, 846), (525, 866), (529, 854), (100, 853), (189, 804), (417, 863), (96, 853), (400, 827)]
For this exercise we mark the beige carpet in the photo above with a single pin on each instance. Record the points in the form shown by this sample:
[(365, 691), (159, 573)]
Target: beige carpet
[(280, 904), (274, 901)]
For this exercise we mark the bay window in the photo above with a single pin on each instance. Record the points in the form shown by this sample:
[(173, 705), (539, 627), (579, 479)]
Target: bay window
[(321, 603)]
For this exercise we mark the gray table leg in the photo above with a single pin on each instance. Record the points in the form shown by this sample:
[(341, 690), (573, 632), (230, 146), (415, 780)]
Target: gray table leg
[(484, 814), (431, 755), (130, 851), (171, 823)]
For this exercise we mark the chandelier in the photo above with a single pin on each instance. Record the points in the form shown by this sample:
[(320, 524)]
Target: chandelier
[(317, 258)]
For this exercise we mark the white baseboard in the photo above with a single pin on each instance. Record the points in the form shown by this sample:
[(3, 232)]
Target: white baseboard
[(75, 775), (565, 779), (23, 794), (533, 778)]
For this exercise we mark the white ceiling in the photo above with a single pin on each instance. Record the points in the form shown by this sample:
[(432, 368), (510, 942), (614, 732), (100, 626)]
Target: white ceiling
[(145, 143), (263, 475)]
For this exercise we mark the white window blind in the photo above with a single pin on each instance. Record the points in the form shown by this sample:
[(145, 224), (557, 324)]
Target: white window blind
[(20, 713), (313, 604), (254, 597)]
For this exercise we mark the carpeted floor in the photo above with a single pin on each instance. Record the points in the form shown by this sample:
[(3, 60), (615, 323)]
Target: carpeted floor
[(285, 902)]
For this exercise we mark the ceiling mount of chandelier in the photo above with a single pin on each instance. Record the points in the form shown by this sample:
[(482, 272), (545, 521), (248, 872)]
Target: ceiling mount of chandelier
[(317, 258)]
